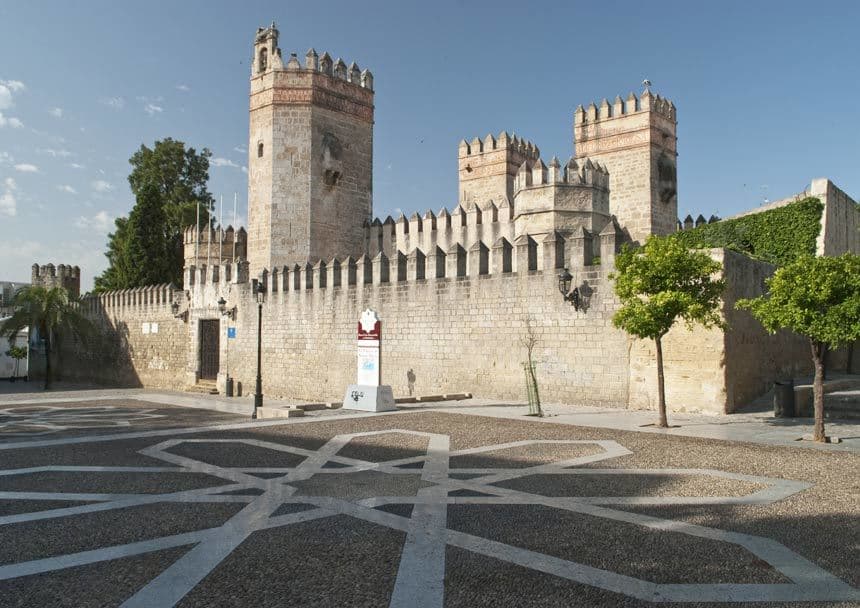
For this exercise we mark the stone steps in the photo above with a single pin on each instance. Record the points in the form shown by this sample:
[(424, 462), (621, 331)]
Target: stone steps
[(204, 387)]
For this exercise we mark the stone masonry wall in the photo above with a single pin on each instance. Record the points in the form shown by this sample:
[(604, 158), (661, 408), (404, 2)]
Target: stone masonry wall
[(449, 334), (754, 358), (459, 332), (141, 343)]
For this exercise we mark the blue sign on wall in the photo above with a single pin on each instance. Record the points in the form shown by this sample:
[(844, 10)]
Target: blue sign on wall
[(231, 332)]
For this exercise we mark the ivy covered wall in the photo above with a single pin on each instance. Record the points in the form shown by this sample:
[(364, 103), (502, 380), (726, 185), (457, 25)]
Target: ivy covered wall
[(776, 236)]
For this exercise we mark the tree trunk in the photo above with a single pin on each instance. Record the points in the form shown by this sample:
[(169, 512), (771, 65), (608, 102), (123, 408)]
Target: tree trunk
[(48, 361), (818, 390), (534, 383), (661, 387)]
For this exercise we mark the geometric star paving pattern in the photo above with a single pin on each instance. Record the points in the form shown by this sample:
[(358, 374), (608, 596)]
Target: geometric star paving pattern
[(265, 492), (32, 421)]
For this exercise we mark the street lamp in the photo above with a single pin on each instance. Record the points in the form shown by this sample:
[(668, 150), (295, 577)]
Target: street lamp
[(260, 292), (564, 280), (225, 312)]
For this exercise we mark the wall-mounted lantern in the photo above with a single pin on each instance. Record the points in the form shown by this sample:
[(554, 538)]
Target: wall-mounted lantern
[(174, 307), (226, 312), (564, 280)]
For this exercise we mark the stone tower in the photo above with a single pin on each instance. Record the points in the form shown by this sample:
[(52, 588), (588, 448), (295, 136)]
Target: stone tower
[(48, 276), (635, 139), (487, 168), (310, 153)]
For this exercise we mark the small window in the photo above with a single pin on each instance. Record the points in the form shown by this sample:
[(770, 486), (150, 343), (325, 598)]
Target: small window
[(260, 150), (264, 55)]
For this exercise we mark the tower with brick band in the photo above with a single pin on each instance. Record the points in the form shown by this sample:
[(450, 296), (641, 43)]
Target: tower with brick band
[(635, 139), (310, 156)]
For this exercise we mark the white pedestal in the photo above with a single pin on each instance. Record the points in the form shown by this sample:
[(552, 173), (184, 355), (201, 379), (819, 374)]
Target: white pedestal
[(369, 398)]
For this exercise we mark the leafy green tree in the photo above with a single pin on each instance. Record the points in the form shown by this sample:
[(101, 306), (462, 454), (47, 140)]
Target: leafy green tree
[(660, 283), (818, 298), (53, 313), (149, 246), (119, 271), (146, 247), (18, 353)]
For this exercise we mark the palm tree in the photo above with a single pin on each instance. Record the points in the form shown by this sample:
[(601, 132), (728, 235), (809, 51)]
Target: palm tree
[(52, 312)]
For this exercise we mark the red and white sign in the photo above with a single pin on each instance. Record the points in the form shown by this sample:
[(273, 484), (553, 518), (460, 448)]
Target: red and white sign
[(369, 333)]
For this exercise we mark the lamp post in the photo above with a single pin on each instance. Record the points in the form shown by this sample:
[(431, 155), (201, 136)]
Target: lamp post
[(230, 314), (564, 280), (260, 290)]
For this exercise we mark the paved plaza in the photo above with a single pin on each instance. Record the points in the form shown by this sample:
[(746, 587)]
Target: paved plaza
[(129, 502)]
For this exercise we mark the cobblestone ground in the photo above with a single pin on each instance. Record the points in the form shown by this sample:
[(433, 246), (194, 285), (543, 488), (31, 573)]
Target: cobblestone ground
[(417, 509)]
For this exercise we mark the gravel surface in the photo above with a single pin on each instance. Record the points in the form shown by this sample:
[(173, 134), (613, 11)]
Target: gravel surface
[(102, 417), (364, 484), (13, 507), (659, 557), (523, 456), (630, 485), (387, 446), (341, 561), (112, 482), (235, 454), (333, 562), (96, 585), (45, 538)]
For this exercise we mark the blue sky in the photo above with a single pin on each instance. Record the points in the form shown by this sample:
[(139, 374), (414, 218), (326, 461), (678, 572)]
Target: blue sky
[(767, 96)]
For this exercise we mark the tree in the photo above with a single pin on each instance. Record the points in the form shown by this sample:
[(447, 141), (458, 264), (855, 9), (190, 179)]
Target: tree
[(168, 182), (18, 353), (660, 283), (818, 298), (529, 341), (50, 311)]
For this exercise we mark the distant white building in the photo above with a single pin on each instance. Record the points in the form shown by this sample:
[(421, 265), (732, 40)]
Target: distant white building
[(7, 295)]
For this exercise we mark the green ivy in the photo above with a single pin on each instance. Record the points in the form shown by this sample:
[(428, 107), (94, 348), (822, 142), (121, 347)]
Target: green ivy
[(778, 236)]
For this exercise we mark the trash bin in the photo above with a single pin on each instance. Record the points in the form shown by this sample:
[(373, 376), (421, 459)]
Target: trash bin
[(783, 399), (228, 387)]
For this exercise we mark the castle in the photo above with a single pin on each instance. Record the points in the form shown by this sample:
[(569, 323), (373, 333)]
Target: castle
[(455, 289)]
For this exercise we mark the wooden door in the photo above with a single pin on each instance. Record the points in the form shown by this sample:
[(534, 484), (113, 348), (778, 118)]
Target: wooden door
[(209, 348)]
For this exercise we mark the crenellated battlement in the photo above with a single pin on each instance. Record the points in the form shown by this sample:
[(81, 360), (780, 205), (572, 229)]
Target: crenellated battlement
[(151, 296), (487, 166), (636, 140), (526, 254), (624, 107), (688, 223), (268, 58), (230, 244), (502, 142), (66, 276), (582, 173)]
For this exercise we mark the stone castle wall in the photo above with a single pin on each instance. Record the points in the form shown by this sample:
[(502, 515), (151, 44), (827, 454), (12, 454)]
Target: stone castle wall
[(570, 201), (141, 342), (439, 335), (459, 328)]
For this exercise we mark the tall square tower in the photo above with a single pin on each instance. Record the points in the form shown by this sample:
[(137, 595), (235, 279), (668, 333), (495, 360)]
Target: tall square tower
[(310, 153), (636, 141)]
